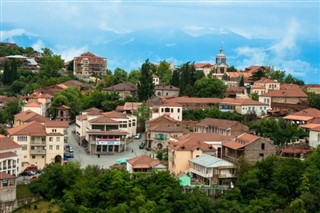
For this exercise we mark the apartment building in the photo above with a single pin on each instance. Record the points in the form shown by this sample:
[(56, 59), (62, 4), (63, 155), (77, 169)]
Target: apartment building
[(41, 144), (9, 156), (88, 64)]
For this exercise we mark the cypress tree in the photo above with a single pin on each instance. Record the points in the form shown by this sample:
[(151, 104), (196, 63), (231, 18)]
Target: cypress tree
[(145, 84)]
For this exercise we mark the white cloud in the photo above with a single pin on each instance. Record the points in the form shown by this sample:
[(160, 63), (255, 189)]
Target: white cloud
[(170, 44), (10, 34), (69, 53), (38, 45), (127, 42)]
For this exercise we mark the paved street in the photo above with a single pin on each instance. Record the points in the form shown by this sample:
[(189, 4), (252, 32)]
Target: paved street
[(105, 161)]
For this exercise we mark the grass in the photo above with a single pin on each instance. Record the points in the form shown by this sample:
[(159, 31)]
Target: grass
[(24, 192), (39, 207)]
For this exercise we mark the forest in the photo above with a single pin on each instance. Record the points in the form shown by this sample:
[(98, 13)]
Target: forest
[(274, 184)]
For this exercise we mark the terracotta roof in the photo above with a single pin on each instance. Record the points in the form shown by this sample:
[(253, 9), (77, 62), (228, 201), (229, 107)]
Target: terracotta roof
[(309, 112), (292, 93), (289, 86), (64, 107), (82, 117), (7, 143), (166, 128), (309, 126), (297, 117), (295, 150), (161, 117), (185, 100), (154, 76), (143, 161), (235, 89), (93, 59), (132, 105), (197, 140), (7, 155), (28, 116), (247, 138), (4, 175), (115, 114), (93, 111), (266, 80), (241, 141), (172, 104), (122, 87), (257, 87), (254, 68), (316, 129), (240, 102), (33, 104), (58, 124), (32, 128), (165, 87), (312, 85), (238, 74), (219, 123), (203, 65), (103, 119)]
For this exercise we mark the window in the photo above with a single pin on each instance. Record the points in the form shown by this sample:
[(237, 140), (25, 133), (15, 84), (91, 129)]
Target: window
[(50, 139), (178, 110), (57, 139), (262, 146), (22, 138), (24, 147), (261, 155), (33, 157), (24, 156), (54, 130), (50, 147), (57, 147)]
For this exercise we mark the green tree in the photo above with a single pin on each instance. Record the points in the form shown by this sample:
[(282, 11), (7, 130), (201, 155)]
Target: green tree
[(51, 65), (120, 76), (10, 71), (232, 69), (164, 72), (175, 79), (134, 76), (209, 87), (145, 84), (277, 75), (314, 100), (12, 108), (143, 114), (47, 52), (254, 96), (70, 66)]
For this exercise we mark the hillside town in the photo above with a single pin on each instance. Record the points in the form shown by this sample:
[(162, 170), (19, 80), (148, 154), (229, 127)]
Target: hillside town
[(196, 121)]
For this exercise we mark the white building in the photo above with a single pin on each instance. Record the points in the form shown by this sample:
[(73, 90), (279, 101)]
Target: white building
[(9, 156), (173, 110), (244, 106), (314, 137)]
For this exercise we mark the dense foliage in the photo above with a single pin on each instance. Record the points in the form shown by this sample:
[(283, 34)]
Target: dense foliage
[(274, 184), (314, 100), (279, 131), (145, 84), (97, 190)]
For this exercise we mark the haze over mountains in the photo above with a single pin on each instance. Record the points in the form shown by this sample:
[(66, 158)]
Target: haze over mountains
[(129, 50)]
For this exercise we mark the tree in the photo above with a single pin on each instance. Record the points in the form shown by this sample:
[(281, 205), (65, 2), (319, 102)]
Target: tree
[(12, 108), (164, 72), (175, 79), (277, 75), (145, 84), (120, 76), (314, 100), (10, 71), (51, 65), (134, 76), (254, 96), (209, 87), (241, 81), (232, 69), (46, 52), (143, 114), (70, 66)]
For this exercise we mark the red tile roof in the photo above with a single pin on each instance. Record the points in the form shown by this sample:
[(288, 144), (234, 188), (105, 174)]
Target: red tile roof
[(7, 143), (33, 104), (284, 93), (28, 116), (162, 117), (7, 155), (93, 59), (32, 128), (115, 114), (241, 141), (143, 161), (186, 100), (310, 112), (58, 124), (103, 119), (266, 80), (241, 102), (166, 128), (122, 87), (4, 176), (218, 123)]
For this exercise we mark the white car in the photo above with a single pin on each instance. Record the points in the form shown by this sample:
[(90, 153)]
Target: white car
[(137, 136)]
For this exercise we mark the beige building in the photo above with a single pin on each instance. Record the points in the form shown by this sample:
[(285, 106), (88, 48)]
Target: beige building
[(221, 66), (206, 68), (305, 116), (313, 88), (88, 64), (36, 107), (123, 89), (164, 90), (220, 126), (264, 85), (41, 144), (193, 102), (105, 132), (190, 146), (9, 156), (38, 102), (252, 147), (314, 137), (27, 117)]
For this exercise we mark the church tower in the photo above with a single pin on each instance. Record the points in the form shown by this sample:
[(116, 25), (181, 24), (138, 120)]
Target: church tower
[(221, 65)]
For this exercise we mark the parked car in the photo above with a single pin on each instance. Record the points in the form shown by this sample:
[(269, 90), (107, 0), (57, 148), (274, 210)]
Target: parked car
[(137, 136), (68, 155), (26, 173), (141, 146), (70, 149), (33, 169)]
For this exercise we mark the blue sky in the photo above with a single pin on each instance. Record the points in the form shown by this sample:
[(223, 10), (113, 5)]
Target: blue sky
[(284, 34)]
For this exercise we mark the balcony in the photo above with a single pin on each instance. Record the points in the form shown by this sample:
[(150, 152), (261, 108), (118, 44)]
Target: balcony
[(226, 176), (38, 152), (161, 137), (38, 143), (201, 173)]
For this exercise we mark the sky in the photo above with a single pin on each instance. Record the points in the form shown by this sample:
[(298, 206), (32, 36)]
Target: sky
[(283, 34)]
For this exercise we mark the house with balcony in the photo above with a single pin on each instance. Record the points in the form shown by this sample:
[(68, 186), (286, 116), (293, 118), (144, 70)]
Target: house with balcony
[(88, 64), (190, 146), (264, 85), (210, 170), (41, 144), (252, 147), (220, 126), (155, 137), (38, 102), (305, 116), (243, 106), (144, 163), (9, 156)]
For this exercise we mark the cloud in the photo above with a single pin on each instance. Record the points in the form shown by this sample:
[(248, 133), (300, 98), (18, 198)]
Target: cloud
[(68, 53), (128, 41), (10, 34), (38, 45), (196, 30), (170, 44)]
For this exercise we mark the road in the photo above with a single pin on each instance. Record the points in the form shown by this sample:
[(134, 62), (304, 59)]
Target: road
[(105, 161)]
